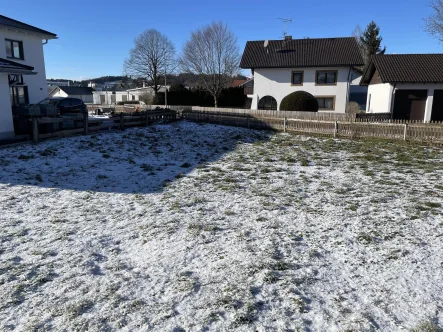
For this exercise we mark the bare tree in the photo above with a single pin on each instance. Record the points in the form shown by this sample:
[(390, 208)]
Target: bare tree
[(357, 33), (434, 22), (152, 57), (213, 54)]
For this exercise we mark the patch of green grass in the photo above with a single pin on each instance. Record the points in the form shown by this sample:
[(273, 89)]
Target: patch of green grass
[(353, 207), (427, 327), (365, 238), (433, 205), (299, 304)]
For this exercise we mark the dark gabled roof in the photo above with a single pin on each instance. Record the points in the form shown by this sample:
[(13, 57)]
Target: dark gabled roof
[(405, 68), (11, 67), (10, 23), (76, 90), (322, 52)]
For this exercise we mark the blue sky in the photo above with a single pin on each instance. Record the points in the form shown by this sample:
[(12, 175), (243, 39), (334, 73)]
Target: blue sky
[(95, 36)]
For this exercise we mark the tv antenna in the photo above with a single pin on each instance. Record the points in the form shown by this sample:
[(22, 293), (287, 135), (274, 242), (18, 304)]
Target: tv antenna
[(285, 20)]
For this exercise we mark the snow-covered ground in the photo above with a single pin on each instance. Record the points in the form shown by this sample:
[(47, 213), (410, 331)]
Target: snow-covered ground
[(189, 227)]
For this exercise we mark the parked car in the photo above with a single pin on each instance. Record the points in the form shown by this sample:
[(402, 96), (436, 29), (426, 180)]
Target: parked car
[(66, 105)]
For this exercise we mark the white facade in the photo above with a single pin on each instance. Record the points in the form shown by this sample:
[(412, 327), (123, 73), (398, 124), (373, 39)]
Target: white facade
[(276, 82), (112, 97), (381, 97), (57, 92), (33, 56), (34, 81), (6, 122)]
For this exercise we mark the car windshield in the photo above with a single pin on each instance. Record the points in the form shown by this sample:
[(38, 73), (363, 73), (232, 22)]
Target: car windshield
[(49, 102)]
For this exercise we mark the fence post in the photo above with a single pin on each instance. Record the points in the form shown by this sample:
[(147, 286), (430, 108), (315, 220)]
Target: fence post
[(35, 129), (85, 124), (335, 128), (405, 133), (284, 124), (146, 118), (122, 124)]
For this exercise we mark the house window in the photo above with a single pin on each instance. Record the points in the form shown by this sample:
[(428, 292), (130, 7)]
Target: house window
[(14, 49), (124, 98), (267, 103), (19, 95), (326, 77), (297, 78), (326, 103)]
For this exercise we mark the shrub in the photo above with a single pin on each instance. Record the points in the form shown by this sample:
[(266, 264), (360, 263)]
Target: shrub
[(300, 101), (159, 99), (352, 107)]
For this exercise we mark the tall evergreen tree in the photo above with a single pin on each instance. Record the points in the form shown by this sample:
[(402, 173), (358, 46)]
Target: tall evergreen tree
[(371, 41)]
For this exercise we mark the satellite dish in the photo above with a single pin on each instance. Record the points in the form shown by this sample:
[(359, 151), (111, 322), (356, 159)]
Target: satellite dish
[(266, 43)]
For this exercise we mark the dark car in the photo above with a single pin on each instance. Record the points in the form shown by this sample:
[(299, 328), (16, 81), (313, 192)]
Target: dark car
[(66, 105)]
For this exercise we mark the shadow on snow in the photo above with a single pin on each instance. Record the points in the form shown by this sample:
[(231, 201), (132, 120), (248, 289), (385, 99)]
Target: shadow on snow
[(138, 160)]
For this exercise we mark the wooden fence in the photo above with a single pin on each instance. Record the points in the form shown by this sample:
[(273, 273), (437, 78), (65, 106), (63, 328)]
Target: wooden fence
[(118, 121), (412, 131)]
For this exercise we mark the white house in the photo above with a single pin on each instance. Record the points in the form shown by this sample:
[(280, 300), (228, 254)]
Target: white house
[(408, 86), (53, 84), (83, 93), (113, 97), (22, 69), (325, 67)]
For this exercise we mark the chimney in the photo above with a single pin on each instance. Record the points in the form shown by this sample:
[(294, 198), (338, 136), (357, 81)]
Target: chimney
[(288, 37)]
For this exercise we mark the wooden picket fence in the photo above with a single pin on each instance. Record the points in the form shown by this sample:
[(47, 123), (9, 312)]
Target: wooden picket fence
[(118, 121), (407, 131)]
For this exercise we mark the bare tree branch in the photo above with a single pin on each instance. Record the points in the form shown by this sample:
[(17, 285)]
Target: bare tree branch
[(213, 54), (434, 22), (153, 55)]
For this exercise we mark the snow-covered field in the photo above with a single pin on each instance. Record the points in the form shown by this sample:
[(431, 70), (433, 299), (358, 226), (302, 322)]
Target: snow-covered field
[(189, 227)]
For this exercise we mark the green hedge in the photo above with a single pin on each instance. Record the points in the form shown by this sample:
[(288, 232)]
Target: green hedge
[(300, 101)]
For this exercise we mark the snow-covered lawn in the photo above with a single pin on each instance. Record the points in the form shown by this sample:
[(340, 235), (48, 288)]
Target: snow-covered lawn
[(189, 227)]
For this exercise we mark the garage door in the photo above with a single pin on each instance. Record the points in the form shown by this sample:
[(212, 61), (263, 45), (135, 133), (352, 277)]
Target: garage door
[(410, 104)]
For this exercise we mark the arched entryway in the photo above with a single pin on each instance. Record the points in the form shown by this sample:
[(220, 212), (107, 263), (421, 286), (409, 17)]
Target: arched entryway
[(267, 103)]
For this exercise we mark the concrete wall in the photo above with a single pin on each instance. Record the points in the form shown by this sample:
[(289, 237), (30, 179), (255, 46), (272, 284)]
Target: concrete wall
[(33, 56), (6, 122), (276, 82), (379, 98)]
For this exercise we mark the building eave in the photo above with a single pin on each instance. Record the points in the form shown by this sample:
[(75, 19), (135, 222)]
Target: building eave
[(27, 32), (305, 66)]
